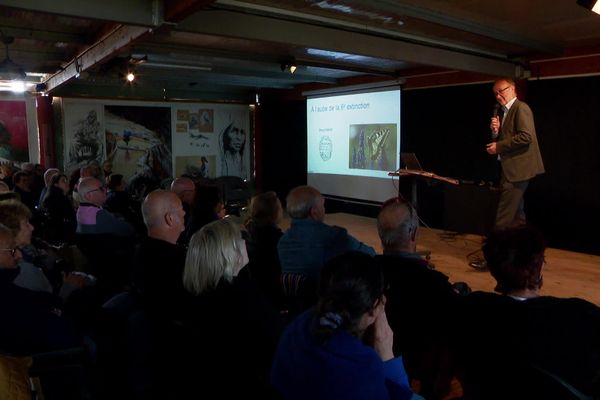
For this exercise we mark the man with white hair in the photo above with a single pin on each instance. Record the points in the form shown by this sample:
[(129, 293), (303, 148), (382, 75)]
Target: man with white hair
[(48, 175), (91, 217), (309, 243), (416, 293)]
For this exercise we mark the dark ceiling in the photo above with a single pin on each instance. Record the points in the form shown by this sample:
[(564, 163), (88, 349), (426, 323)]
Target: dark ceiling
[(227, 50)]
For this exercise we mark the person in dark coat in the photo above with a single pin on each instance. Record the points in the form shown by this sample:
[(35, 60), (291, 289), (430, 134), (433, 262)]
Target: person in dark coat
[(61, 222), (342, 349), (263, 234), (31, 321), (233, 330), (518, 343), (421, 300)]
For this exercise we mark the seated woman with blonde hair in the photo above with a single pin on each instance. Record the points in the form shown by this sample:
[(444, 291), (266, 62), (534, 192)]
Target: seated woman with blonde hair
[(233, 330)]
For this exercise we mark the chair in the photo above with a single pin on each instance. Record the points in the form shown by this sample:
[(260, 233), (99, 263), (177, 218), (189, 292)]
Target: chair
[(15, 382), (299, 292), (236, 193)]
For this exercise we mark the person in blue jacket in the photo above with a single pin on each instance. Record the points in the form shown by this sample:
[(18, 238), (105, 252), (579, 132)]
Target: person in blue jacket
[(342, 349)]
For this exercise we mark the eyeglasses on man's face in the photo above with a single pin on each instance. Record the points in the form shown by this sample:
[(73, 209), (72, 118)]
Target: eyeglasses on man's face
[(497, 92), (12, 251), (98, 189)]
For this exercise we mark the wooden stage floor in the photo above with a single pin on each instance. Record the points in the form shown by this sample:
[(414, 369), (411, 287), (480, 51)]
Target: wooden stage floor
[(567, 274)]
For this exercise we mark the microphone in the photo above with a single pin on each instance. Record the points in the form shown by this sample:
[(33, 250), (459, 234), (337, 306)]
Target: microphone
[(496, 110), (495, 113)]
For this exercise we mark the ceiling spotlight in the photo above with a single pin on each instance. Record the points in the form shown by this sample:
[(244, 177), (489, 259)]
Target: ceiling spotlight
[(289, 67), (130, 77), (592, 5)]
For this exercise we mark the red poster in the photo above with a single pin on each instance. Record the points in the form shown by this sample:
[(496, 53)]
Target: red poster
[(13, 131)]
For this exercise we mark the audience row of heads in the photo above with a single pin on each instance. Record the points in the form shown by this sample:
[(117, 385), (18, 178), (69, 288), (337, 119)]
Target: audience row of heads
[(352, 285), (7, 168), (515, 256)]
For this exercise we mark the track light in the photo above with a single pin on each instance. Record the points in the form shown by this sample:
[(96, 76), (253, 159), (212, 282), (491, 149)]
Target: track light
[(592, 5), (289, 67)]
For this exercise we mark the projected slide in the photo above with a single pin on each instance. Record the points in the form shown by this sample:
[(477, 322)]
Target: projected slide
[(373, 147), (352, 138)]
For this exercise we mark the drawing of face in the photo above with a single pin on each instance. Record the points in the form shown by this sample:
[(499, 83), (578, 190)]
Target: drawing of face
[(236, 138)]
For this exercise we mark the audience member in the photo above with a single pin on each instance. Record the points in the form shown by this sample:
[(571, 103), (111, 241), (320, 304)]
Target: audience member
[(61, 222), (263, 234), (208, 206), (417, 294), (309, 242), (6, 174), (107, 169), (37, 182), (22, 186), (158, 261), (119, 201), (519, 344), (15, 216), (91, 218), (233, 328), (343, 349), (185, 189), (48, 175), (31, 323)]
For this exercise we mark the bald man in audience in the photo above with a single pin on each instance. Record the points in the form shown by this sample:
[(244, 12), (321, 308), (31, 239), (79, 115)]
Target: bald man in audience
[(419, 299), (309, 243), (158, 261), (91, 217)]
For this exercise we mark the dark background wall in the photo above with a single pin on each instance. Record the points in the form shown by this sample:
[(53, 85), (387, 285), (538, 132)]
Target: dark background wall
[(448, 128)]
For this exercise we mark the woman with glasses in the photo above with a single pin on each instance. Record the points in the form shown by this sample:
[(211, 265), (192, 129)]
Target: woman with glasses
[(342, 349), (34, 273), (15, 216), (232, 327), (30, 321)]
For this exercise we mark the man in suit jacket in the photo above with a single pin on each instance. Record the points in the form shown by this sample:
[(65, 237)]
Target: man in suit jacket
[(515, 144)]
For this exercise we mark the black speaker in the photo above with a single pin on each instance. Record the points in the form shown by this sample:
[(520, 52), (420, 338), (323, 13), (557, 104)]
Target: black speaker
[(470, 208)]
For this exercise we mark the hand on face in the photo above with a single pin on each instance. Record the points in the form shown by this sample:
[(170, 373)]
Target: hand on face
[(383, 335)]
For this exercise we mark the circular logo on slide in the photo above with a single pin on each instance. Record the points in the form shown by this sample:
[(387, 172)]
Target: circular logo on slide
[(325, 148)]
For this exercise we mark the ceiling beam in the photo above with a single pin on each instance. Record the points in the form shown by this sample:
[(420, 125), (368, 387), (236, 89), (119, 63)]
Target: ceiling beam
[(399, 7), (99, 51), (82, 88), (268, 29), (131, 12), (178, 10), (45, 36)]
